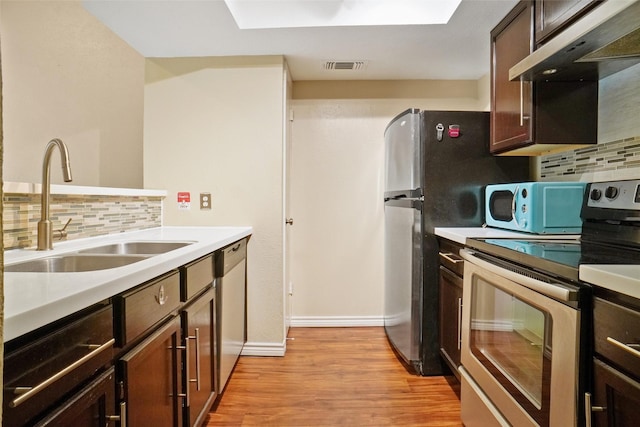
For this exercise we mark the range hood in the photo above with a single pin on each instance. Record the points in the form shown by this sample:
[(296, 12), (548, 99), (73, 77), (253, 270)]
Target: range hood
[(601, 43)]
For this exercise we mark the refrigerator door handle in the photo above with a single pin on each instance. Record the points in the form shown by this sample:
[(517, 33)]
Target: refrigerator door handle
[(416, 193), (405, 203)]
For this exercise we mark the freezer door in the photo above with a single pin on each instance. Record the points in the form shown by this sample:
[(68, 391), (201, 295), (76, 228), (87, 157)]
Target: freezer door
[(402, 146), (403, 278)]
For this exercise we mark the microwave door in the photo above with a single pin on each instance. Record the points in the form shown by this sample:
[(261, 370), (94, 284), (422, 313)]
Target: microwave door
[(502, 205)]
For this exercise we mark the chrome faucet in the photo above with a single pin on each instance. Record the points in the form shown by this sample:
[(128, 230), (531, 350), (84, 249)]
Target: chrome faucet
[(45, 233)]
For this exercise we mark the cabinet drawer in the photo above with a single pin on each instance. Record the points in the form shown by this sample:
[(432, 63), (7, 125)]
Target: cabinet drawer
[(617, 335), (54, 365), (140, 309), (230, 256), (90, 407), (196, 276), (449, 256)]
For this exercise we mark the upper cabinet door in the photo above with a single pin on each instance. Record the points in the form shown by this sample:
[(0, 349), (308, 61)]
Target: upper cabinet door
[(535, 118), (553, 15), (511, 101)]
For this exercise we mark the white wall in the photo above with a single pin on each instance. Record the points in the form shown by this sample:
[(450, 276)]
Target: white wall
[(1, 236), (68, 76), (337, 185), (216, 125)]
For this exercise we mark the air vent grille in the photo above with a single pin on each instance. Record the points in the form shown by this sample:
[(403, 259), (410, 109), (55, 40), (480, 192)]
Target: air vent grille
[(345, 65)]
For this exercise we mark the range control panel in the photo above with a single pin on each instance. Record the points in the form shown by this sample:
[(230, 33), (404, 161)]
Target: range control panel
[(615, 194)]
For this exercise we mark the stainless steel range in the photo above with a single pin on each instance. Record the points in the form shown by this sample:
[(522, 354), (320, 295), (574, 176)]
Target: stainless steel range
[(527, 355)]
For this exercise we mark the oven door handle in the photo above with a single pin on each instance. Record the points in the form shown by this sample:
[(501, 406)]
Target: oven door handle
[(556, 291)]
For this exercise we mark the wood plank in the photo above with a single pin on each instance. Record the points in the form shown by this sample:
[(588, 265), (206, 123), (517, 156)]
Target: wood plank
[(335, 377)]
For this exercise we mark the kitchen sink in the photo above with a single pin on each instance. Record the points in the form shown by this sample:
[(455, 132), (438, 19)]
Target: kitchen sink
[(97, 258), (73, 263), (137, 248)]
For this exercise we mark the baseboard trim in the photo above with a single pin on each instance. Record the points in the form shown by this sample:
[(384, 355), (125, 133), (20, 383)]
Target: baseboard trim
[(279, 349), (263, 349), (335, 321)]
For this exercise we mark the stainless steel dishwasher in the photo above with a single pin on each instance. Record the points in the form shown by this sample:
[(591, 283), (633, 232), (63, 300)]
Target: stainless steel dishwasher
[(231, 265)]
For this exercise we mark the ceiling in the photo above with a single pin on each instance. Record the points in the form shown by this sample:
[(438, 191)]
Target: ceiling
[(179, 28)]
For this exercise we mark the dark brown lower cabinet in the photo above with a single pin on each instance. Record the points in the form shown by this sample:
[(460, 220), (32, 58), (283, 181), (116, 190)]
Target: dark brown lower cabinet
[(150, 378), (46, 368), (198, 323), (450, 311), (451, 273), (616, 397), (149, 360), (615, 401), (90, 407)]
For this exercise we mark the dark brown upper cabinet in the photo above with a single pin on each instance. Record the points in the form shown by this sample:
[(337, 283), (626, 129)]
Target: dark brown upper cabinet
[(535, 118), (553, 15)]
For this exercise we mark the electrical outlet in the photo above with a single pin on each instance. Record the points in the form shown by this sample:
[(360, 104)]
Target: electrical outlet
[(205, 201)]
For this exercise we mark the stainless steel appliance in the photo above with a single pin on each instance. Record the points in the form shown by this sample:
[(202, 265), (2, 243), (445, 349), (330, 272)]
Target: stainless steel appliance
[(536, 207), (520, 344), (437, 165), (535, 288), (231, 283)]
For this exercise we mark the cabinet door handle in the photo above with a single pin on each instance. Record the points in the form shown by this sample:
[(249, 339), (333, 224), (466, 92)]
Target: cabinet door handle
[(449, 257), (521, 102), (196, 337), (187, 370), (629, 348), (162, 297), (122, 417), (459, 323), (588, 409), (25, 393)]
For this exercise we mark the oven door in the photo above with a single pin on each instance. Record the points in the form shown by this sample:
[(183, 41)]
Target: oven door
[(519, 346)]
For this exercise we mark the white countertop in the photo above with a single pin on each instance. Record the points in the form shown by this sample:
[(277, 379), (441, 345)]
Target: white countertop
[(619, 278), (36, 299), (31, 188), (461, 234)]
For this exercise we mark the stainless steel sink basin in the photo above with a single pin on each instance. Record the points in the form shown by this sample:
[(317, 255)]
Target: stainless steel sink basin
[(73, 263), (137, 248)]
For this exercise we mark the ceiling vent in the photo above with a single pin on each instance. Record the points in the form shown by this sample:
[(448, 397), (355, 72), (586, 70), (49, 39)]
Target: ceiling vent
[(345, 65)]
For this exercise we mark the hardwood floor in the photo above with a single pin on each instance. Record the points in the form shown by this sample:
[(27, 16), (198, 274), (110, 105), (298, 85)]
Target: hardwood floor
[(335, 377)]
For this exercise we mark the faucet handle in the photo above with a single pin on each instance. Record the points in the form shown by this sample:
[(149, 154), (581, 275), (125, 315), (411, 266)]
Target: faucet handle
[(62, 233)]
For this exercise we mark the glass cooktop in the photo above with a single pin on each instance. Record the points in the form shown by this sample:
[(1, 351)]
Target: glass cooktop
[(558, 257)]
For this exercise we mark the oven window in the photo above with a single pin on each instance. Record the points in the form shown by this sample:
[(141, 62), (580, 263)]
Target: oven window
[(500, 205), (512, 339)]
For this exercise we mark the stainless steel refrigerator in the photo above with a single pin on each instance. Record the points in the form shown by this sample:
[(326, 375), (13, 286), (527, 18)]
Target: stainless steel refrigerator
[(437, 165)]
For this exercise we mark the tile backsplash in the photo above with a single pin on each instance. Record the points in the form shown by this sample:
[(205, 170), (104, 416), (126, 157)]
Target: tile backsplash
[(605, 161), (90, 215)]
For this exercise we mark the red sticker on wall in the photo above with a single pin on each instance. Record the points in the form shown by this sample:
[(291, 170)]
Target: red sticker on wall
[(184, 200)]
